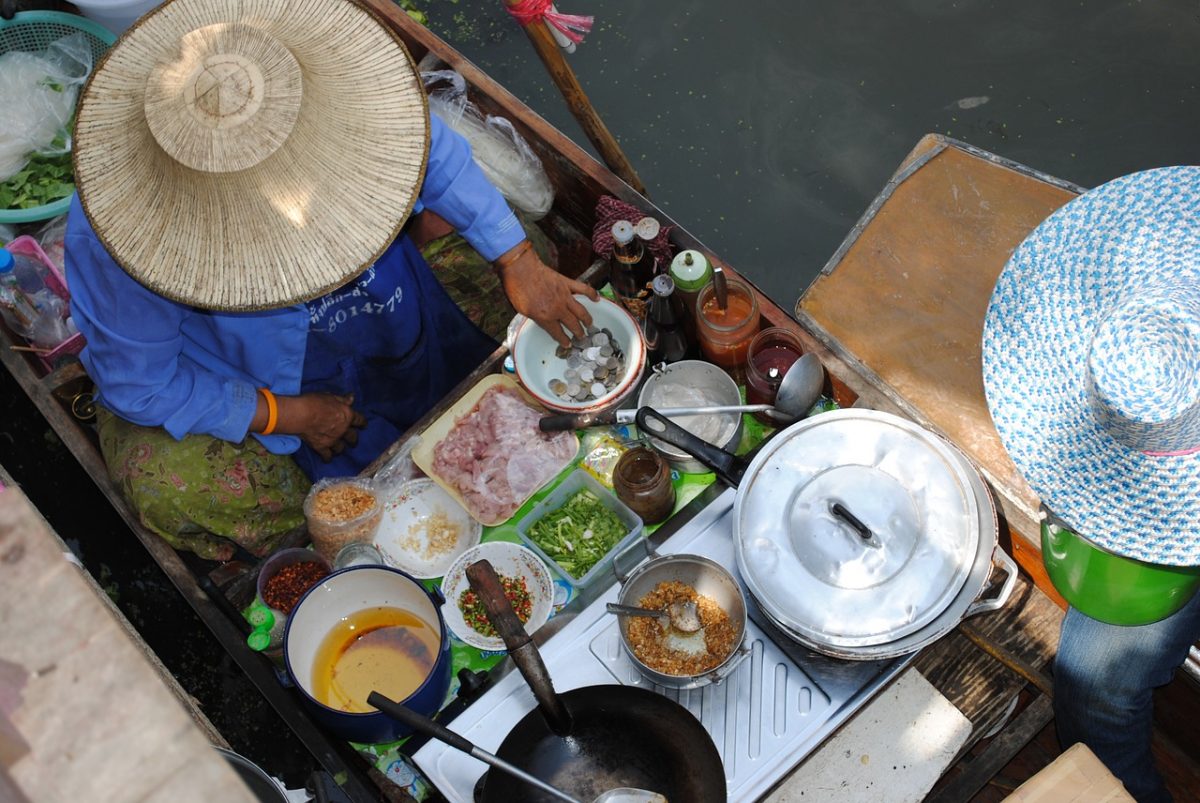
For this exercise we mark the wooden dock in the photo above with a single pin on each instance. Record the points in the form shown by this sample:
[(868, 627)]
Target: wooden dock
[(86, 710)]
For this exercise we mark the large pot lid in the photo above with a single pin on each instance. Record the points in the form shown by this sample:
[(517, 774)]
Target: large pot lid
[(855, 527)]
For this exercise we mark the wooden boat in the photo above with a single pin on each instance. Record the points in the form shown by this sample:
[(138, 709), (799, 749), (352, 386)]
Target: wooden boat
[(1019, 640)]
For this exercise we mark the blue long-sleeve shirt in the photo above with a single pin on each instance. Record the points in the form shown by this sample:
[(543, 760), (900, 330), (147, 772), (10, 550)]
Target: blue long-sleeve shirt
[(157, 362)]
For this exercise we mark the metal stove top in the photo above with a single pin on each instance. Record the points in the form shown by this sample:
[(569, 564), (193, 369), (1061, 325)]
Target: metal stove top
[(777, 706)]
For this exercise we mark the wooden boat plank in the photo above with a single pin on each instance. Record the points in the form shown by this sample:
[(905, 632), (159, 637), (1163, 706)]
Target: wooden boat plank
[(101, 717), (903, 301)]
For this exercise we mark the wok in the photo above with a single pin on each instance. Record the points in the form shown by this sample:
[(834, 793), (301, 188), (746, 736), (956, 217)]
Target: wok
[(589, 740), (973, 566)]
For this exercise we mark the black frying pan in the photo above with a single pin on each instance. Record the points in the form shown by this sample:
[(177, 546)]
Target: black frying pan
[(592, 739)]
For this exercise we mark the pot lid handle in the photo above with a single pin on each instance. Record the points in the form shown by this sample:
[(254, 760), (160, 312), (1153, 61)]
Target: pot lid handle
[(864, 532)]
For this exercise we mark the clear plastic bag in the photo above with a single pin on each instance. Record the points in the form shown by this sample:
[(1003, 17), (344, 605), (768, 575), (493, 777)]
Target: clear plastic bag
[(340, 511), (37, 93), (51, 238), (502, 153)]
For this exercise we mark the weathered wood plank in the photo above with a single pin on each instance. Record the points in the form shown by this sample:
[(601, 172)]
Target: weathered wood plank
[(98, 718)]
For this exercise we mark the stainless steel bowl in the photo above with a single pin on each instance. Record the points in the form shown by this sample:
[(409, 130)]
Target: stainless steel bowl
[(711, 580), (694, 383)]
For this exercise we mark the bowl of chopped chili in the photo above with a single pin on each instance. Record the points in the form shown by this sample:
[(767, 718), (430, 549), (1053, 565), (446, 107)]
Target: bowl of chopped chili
[(286, 575), (526, 582)]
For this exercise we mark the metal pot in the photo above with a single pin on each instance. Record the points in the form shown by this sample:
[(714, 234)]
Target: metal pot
[(694, 383), (711, 580), (860, 534), (1112, 588)]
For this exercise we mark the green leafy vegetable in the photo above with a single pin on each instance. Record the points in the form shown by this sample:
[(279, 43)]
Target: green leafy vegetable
[(44, 180), (578, 534)]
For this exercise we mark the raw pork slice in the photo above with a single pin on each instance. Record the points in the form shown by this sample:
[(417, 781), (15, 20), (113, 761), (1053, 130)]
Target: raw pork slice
[(496, 457)]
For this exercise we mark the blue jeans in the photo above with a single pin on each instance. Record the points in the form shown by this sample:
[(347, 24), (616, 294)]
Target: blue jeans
[(1104, 679)]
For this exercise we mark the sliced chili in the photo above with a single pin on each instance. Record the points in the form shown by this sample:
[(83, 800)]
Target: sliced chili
[(475, 615)]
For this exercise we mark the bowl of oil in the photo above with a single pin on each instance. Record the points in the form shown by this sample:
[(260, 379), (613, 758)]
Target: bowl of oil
[(364, 629)]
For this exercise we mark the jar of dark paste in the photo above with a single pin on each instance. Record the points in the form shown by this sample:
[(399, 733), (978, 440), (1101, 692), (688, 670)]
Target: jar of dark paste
[(642, 480)]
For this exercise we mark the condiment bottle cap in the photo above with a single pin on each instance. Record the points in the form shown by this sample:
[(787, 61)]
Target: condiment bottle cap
[(259, 640), (6, 260), (691, 270), (622, 232), (648, 228), (260, 616), (663, 285)]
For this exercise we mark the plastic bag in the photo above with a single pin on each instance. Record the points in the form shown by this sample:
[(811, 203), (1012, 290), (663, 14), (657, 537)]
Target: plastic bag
[(51, 238), (502, 153), (37, 93)]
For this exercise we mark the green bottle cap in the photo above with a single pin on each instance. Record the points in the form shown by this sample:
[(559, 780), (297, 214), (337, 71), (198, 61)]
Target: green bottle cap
[(259, 640), (691, 271), (260, 617)]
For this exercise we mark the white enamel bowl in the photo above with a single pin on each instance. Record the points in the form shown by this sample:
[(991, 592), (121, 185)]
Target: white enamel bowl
[(536, 364), (507, 559)]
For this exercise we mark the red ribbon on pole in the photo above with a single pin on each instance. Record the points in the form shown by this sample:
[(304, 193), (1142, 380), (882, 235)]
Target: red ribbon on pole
[(572, 26)]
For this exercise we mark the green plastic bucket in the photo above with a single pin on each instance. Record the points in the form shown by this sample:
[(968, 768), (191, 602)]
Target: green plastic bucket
[(1111, 588)]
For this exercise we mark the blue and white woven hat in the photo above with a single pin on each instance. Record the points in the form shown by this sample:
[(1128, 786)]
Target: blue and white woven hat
[(1091, 364)]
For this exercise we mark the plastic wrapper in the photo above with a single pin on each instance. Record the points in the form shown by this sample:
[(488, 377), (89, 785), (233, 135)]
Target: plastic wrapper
[(602, 459), (341, 511), (503, 154), (37, 93), (51, 237)]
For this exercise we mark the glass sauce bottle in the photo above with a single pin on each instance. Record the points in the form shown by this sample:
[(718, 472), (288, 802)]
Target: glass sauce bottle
[(665, 326), (642, 480)]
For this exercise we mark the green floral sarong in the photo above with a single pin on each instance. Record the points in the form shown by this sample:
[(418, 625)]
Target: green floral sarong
[(204, 494)]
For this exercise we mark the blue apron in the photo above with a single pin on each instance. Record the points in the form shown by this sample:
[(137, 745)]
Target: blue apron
[(397, 341)]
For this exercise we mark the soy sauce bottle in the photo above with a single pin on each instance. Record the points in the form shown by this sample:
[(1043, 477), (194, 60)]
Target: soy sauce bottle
[(665, 326)]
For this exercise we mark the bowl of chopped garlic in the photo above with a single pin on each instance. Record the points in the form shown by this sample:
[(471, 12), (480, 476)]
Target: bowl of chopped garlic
[(424, 529)]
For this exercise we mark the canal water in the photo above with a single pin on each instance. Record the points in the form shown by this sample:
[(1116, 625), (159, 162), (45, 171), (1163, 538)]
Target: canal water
[(766, 129)]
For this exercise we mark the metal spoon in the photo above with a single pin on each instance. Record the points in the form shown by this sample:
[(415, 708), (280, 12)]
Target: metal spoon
[(798, 392), (720, 288), (683, 616), (800, 388)]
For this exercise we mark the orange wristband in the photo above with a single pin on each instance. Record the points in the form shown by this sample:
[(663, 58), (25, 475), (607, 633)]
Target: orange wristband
[(521, 249), (272, 411)]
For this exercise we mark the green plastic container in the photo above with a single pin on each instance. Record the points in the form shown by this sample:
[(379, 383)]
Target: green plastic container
[(1111, 588)]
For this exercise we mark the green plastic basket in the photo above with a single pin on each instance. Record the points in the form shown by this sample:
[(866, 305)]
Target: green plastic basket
[(34, 31)]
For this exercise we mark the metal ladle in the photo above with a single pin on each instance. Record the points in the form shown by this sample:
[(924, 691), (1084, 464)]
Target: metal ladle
[(683, 616), (798, 392), (434, 730)]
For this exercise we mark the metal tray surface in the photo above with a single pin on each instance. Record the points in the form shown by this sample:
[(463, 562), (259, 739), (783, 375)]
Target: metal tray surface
[(765, 718)]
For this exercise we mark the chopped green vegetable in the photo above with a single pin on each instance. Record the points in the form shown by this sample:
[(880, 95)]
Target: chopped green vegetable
[(44, 180), (578, 534)]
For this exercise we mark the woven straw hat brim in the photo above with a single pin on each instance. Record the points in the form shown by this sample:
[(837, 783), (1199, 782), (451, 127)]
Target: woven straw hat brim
[(305, 219), (1048, 302)]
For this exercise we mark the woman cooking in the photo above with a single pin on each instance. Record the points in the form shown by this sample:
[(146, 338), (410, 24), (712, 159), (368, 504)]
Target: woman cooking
[(239, 164)]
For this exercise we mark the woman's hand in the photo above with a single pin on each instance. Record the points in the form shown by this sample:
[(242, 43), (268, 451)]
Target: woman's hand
[(539, 292), (326, 422)]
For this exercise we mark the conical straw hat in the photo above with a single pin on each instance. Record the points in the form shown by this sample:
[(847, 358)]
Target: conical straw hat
[(250, 154)]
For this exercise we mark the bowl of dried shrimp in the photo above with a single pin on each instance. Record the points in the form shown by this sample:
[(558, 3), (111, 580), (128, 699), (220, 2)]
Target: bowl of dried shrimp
[(596, 372), (424, 529), (673, 658), (526, 582)]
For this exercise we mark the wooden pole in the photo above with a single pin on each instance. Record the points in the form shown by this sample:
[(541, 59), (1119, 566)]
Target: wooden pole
[(577, 101)]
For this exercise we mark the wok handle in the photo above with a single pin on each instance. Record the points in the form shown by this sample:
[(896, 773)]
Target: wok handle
[(729, 467), (483, 579), (1010, 568)]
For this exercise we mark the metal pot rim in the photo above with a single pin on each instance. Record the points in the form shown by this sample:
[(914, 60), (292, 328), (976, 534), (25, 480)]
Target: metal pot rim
[(718, 672), (952, 569), (958, 609)]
